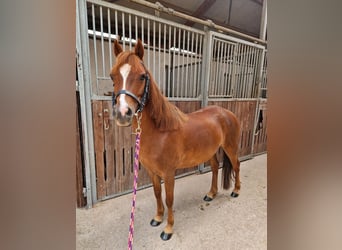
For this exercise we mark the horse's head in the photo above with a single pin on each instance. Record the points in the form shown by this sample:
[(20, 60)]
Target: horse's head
[(131, 83)]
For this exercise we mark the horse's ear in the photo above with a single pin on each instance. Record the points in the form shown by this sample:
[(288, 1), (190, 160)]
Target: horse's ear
[(117, 48), (139, 49)]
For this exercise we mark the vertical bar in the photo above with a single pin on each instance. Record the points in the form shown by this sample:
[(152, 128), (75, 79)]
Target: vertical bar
[(109, 39), (187, 66), (201, 57), (170, 65), (116, 26), (237, 70), (230, 69), (196, 80), (192, 81), (254, 72), (219, 45), (244, 71), (179, 51), (136, 29), (123, 30), (102, 43), (142, 29), (85, 89), (206, 65), (173, 63), (159, 49), (182, 85), (164, 73), (148, 43), (95, 50), (224, 69), (154, 48), (130, 30), (234, 73), (220, 82)]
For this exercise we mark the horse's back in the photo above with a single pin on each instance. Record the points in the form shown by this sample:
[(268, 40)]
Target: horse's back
[(224, 118)]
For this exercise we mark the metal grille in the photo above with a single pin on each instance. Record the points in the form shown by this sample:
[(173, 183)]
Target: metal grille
[(173, 52), (263, 84), (234, 70)]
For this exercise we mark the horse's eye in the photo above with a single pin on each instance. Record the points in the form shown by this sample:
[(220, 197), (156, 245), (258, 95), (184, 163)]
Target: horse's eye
[(142, 77), (112, 77)]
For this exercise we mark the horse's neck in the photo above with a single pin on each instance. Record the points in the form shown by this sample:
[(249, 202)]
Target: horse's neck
[(159, 113)]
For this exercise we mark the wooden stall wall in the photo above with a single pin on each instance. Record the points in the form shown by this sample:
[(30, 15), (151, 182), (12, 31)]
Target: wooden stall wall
[(260, 141)]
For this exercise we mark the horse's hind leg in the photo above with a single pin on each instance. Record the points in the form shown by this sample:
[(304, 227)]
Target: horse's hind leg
[(158, 218), (213, 189), (236, 166), (234, 160)]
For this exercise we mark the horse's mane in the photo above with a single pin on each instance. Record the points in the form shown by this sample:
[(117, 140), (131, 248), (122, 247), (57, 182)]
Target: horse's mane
[(165, 115)]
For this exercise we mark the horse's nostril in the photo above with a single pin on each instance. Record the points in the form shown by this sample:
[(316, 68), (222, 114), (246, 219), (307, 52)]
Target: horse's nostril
[(129, 112)]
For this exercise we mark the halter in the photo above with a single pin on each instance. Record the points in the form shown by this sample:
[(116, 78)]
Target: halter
[(142, 102)]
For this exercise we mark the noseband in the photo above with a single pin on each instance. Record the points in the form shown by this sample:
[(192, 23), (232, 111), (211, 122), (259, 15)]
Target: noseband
[(142, 101)]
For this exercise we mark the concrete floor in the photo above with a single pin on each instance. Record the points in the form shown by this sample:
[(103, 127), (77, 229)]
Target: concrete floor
[(224, 223)]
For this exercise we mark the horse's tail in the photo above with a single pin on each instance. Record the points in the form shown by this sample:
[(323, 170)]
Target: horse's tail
[(227, 172)]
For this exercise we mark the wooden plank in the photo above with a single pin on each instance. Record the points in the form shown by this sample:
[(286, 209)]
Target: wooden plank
[(260, 143), (109, 147), (99, 149)]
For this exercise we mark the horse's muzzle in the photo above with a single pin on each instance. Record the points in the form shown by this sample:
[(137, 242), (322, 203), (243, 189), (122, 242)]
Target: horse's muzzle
[(123, 118)]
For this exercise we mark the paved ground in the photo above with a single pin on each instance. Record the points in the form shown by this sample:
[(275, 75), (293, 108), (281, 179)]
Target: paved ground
[(224, 223)]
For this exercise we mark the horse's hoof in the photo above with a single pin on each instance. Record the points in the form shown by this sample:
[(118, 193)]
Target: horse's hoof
[(155, 223), (207, 198), (233, 194), (165, 236)]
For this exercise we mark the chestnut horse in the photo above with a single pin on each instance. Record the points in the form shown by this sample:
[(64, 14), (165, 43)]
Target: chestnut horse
[(170, 139)]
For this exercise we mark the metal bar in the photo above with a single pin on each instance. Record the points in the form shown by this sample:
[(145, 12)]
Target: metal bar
[(244, 83), (173, 62), (148, 44), (201, 52), (154, 48), (191, 78), (263, 22), (176, 85), (116, 24), (220, 82), (123, 30), (109, 39), (95, 50), (102, 42), (182, 53), (136, 28), (130, 30), (164, 54), (224, 69), (159, 46), (170, 64), (142, 30), (196, 80), (197, 20), (82, 45), (206, 66)]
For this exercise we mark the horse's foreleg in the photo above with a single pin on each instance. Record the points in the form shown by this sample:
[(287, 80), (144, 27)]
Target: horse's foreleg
[(169, 190), (213, 189), (158, 218)]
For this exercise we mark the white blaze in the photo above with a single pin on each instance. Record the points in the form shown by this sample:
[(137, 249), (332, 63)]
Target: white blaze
[(124, 71)]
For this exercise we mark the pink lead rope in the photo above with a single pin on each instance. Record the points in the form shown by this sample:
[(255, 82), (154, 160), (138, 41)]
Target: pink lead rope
[(135, 184)]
